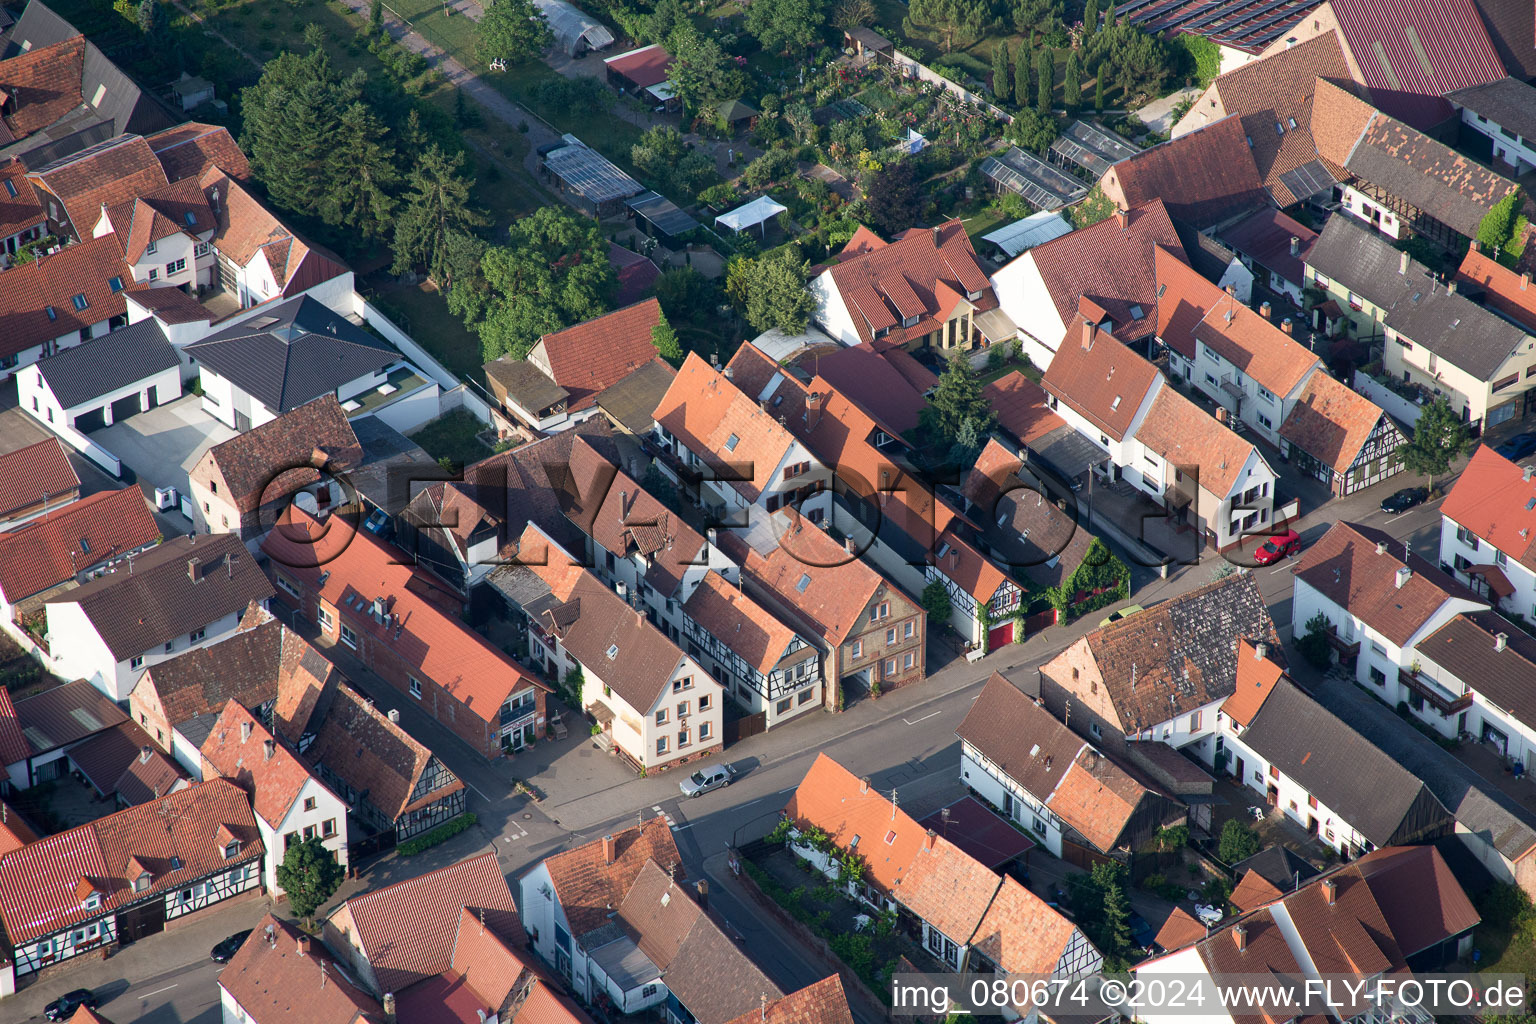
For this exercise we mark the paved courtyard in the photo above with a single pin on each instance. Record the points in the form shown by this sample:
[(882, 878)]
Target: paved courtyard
[(162, 445)]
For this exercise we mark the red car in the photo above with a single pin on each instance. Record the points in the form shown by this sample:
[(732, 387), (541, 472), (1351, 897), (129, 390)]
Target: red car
[(1281, 545)]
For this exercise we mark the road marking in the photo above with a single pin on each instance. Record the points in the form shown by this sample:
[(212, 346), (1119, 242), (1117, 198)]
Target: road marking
[(157, 991), (476, 788), (679, 828), (925, 718), (1283, 568)]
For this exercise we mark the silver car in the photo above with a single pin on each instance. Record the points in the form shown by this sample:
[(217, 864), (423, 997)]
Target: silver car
[(705, 779)]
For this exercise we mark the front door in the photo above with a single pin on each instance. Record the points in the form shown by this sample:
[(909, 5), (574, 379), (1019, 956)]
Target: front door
[(1239, 772), (137, 922), (1272, 797)]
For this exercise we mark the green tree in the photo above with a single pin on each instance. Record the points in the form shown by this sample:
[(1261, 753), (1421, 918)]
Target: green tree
[(770, 291), (375, 17), (1313, 644), (1098, 94), (361, 200), (1045, 70), (787, 26), (664, 19), (892, 198), (1438, 438), (150, 17), (664, 341), (1096, 206), (1498, 224), (956, 398), (1117, 919), (1002, 79), (437, 206), (1090, 17), (309, 875), (663, 156), (1023, 69), (292, 118), (513, 30), (1238, 841), (702, 74), (553, 272), (688, 297), (1032, 130), (955, 23), (936, 602), (1109, 15), (849, 14), (1072, 84), (774, 166)]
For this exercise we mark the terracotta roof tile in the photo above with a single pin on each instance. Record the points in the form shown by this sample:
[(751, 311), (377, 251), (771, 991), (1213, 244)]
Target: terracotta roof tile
[(246, 228), (1492, 499), (272, 980), (1256, 679), (1022, 935), (30, 291), (1020, 407), (1421, 901), (22, 210), (857, 816), (1339, 118), (1265, 237), (544, 1005), (823, 1002), (188, 150), (588, 887), (1104, 381), (1186, 435), (1252, 891), (1331, 422), (266, 464), (1427, 173), (1346, 568), (1265, 951), (1179, 930), (407, 930), (906, 275), (104, 175), (724, 610), (14, 831), (870, 378), (42, 85), (359, 569), (1504, 290), (1203, 177), (38, 882), (485, 960), (35, 474), (837, 586), (51, 549), (598, 353), (108, 758), (236, 750), (645, 67), (948, 888)]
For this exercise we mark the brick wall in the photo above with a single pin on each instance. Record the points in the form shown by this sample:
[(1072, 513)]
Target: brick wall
[(1074, 691)]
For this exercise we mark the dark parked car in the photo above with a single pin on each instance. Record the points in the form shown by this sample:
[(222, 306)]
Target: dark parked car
[(65, 1006), (225, 951), (1281, 545), (1404, 500), (1518, 447), (1141, 932)]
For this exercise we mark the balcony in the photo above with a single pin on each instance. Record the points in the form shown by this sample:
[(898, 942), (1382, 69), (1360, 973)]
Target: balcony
[(1346, 648), (1437, 696)]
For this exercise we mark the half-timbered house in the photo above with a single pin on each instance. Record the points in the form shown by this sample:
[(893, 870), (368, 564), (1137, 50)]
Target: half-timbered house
[(122, 878), (982, 599), (1340, 437)]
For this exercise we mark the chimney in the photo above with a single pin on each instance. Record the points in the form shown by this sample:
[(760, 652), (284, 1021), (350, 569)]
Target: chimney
[(389, 1006), (1232, 290), (1240, 936), (268, 748), (1381, 547), (702, 888), (1525, 281), (1450, 287), (928, 839), (192, 564), (938, 235), (850, 545), (1403, 575), (1124, 217), (864, 785), (1500, 641), (1477, 246), (303, 945), (1402, 263), (610, 849), (1265, 310), (812, 410), (1330, 891), (1526, 473), (1295, 246), (245, 731), (482, 1014), (1260, 651), (394, 715), (144, 754), (1089, 330), (1287, 326)]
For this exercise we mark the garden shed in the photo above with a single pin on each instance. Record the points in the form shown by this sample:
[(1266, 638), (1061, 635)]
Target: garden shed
[(753, 215), (660, 218), (1023, 235), (574, 30)]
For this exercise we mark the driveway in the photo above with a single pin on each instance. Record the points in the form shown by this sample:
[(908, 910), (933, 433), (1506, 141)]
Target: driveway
[(161, 446)]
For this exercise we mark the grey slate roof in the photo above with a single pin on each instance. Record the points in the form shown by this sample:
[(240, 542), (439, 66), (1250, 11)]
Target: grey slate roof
[(79, 374), (1278, 866), (1465, 646), (391, 463), (525, 383), (1417, 306), (293, 353), (66, 714), (1345, 771), (1507, 102), (632, 401)]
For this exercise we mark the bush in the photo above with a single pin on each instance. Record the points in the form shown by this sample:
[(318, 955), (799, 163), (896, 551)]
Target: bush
[(1313, 644), (936, 602), (441, 834), (1238, 841)]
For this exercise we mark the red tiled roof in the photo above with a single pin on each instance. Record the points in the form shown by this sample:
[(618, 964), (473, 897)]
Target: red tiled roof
[(1256, 678), (178, 208), (13, 745), (907, 274), (1020, 407), (947, 888), (1506, 291), (170, 305), (823, 1002), (22, 211), (636, 274), (407, 930), (1421, 901), (870, 378), (246, 228), (35, 474), (852, 812), (270, 462), (104, 176), (544, 1005), (1103, 380), (273, 780), (1110, 264), (724, 610), (28, 292), (589, 888), (1186, 435), (48, 550), (42, 85), (1179, 930), (1202, 177), (837, 587), (484, 959), (1410, 50), (966, 566), (598, 353), (14, 832), (1265, 237), (359, 568), (1021, 934), (188, 150), (38, 882), (645, 67), (272, 980), (1331, 422), (1339, 118), (1253, 890), (1346, 568), (1493, 499)]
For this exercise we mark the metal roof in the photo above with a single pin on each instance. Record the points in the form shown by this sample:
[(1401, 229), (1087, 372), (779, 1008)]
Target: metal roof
[(1092, 148), (1022, 235), (591, 174), (1041, 185), (662, 213)]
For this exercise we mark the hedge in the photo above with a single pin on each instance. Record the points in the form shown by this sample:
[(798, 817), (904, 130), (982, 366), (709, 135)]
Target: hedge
[(441, 834)]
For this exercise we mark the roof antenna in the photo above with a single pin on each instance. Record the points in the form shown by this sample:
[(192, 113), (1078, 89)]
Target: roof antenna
[(762, 1001), (893, 805), (482, 920)]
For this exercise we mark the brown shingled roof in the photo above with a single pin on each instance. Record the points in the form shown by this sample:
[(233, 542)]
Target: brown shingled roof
[(823, 1002), (589, 887), (50, 282), (52, 548), (103, 175), (35, 474), (1331, 422), (236, 750), (42, 85), (948, 888), (1339, 118), (277, 458), (1100, 378), (188, 150), (724, 610), (1202, 177), (1185, 435), (272, 980), (837, 585)]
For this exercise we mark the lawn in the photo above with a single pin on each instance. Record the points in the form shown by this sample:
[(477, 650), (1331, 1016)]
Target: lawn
[(422, 312), (987, 220), (1024, 366), (452, 437)]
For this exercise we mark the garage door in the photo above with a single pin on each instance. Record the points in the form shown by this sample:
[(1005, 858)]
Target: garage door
[(997, 636), (124, 408), (89, 421)]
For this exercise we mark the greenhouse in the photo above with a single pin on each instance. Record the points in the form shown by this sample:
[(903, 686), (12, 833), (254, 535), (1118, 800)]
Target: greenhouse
[(574, 30)]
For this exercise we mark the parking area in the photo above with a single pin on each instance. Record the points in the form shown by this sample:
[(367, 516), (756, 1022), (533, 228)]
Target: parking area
[(162, 445)]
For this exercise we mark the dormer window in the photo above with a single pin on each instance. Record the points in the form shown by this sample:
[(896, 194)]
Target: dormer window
[(191, 219), (53, 314), (232, 849), (149, 250), (10, 187), (908, 321), (141, 883), (80, 302), (92, 902), (973, 296)]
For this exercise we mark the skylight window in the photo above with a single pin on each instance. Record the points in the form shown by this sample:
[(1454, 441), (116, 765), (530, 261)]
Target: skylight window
[(53, 314), (1279, 128), (613, 651), (1115, 404), (731, 443), (116, 284), (101, 94), (10, 186), (1530, 505), (85, 546), (890, 837), (191, 219), (804, 582), (1291, 121)]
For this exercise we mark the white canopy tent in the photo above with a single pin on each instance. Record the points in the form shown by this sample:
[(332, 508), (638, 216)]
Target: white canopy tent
[(573, 28), (754, 214)]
